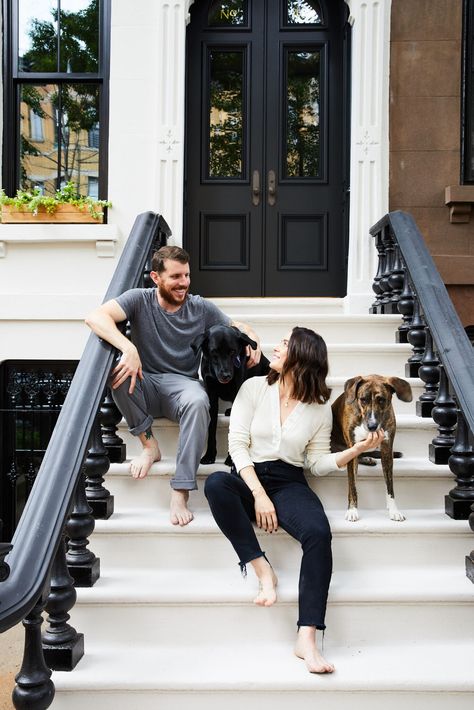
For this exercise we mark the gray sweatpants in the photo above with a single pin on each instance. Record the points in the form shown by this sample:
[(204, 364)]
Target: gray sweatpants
[(176, 397)]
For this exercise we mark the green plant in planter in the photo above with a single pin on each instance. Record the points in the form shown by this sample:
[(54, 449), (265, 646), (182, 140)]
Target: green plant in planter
[(32, 200)]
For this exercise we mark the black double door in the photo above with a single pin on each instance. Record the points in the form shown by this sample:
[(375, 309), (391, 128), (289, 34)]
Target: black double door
[(266, 148)]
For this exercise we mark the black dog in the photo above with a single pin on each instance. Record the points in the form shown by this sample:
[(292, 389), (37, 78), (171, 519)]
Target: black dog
[(223, 369)]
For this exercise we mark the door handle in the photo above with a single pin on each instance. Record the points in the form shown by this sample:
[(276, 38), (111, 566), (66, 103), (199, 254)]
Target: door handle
[(271, 187), (256, 187)]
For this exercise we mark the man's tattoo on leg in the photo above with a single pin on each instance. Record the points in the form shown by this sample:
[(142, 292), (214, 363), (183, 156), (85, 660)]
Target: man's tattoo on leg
[(148, 434)]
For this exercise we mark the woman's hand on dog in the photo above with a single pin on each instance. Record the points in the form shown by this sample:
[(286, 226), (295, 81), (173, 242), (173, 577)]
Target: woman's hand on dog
[(373, 441), (265, 514)]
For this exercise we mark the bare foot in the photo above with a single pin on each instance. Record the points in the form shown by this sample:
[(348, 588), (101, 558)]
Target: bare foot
[(141, 464), (267, 582), (307, 650), (179, 511)]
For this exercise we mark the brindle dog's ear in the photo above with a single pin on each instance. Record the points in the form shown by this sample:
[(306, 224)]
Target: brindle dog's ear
[(198, 342), (401, 388), (351, 387)]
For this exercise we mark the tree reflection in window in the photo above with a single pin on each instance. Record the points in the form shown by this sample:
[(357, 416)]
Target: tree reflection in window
[(226, 122), (225, 13), (304, 12), (64, 44), (302, 119)]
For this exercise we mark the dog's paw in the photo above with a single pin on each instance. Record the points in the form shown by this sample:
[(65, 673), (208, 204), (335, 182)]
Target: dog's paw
[(367, 461), (393, 511), (227, 412), (352, 515), (208, 458), (228, 461)]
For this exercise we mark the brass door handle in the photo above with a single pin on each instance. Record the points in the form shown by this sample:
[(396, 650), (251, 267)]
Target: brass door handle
[(271, 187), (256, 187)]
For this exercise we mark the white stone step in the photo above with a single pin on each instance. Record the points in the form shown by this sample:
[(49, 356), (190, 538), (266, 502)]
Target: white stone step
[(159, 607), (245, 308), (418, 483), (137, 538), (267, 676), (334, 328), (413, 436)]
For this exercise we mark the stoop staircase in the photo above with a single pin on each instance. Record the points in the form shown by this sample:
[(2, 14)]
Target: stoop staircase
[(171, 621)]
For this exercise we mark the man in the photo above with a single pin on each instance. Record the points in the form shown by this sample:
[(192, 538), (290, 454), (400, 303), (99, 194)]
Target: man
[(157, 375)]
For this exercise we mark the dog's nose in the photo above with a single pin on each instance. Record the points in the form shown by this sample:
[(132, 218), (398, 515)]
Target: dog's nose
[(372, 426)]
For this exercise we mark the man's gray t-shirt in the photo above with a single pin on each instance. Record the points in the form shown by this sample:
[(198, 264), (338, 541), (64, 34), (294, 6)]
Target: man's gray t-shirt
[(163, 339)]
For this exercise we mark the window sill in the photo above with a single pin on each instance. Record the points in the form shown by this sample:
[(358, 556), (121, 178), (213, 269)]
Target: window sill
[(460, 200), (105, 236)]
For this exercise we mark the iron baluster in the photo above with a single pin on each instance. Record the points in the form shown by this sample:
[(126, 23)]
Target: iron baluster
[(405, 307), (396, 279), (63, 647), (381, 267), (5, 548), (34, 688), (429, 373), (110, 416), (470, 558), (96, 466), (385, 280), (444, 415), (461, 462), (83, 565), (416, 338)]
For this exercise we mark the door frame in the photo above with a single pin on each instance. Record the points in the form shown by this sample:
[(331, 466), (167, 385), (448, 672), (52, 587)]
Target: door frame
[(369, 155)]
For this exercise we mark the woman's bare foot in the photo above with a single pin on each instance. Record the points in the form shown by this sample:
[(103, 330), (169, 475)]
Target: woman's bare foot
[(306, 649), (267, 582), (179, 511), (141, 464)]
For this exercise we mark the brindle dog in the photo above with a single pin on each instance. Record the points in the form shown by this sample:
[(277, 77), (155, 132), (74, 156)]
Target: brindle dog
[(366, 406)]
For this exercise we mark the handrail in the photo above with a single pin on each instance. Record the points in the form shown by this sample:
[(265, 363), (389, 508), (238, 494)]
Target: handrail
[(453, 346), (40, 528)]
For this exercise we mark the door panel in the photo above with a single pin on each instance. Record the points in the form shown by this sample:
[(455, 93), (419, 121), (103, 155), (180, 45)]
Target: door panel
[(265, 180)]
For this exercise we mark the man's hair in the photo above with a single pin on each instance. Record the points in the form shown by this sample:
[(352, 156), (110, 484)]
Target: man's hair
[(172, 253), (307, 363)]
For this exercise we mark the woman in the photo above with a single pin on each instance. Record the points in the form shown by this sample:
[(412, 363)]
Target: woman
[(278, 424)]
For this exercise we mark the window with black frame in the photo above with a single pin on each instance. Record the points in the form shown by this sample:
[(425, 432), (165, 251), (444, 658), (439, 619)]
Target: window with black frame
[(467, 128), (56, 69)]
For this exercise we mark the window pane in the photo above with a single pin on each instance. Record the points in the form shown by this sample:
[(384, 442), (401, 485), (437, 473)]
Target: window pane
[(302, 114), (79, 31), (68, 114), (227, 13), (78, 49), (304, 12), (226, 114), (37, 35)]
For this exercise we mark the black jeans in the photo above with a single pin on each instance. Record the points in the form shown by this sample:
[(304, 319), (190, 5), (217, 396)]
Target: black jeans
[(299, 512)]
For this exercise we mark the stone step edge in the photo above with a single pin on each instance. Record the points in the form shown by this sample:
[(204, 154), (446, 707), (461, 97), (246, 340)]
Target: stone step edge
[(272, 667), (136, 521), (404, 421), (204, 587), (409, 467)]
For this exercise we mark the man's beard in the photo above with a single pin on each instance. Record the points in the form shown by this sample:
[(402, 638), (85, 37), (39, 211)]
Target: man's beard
[(168, 296)]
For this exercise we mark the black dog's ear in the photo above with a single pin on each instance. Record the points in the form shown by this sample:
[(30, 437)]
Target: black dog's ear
[(244, 339), (401, 388), (198, 342), (351, 388)]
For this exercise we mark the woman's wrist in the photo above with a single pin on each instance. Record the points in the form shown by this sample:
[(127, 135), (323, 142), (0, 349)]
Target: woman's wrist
[(257, 490)]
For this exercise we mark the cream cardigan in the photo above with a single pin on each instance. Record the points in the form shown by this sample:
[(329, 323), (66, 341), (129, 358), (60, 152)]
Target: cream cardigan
[(256, 435)]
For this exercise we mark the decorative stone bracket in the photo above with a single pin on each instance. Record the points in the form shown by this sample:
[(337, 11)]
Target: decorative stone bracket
[(459, 199), (104, 236)]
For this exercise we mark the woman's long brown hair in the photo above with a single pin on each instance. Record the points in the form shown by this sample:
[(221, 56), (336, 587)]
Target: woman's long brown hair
[(307, 363)]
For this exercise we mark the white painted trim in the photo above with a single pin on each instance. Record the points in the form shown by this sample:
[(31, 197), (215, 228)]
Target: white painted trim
[(105, 236)]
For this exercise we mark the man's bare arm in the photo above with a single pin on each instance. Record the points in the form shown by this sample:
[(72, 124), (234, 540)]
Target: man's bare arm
[(103, 322)]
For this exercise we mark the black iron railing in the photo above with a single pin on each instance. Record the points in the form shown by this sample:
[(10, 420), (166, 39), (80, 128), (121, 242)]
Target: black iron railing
[(408, 282), (50, 546)]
